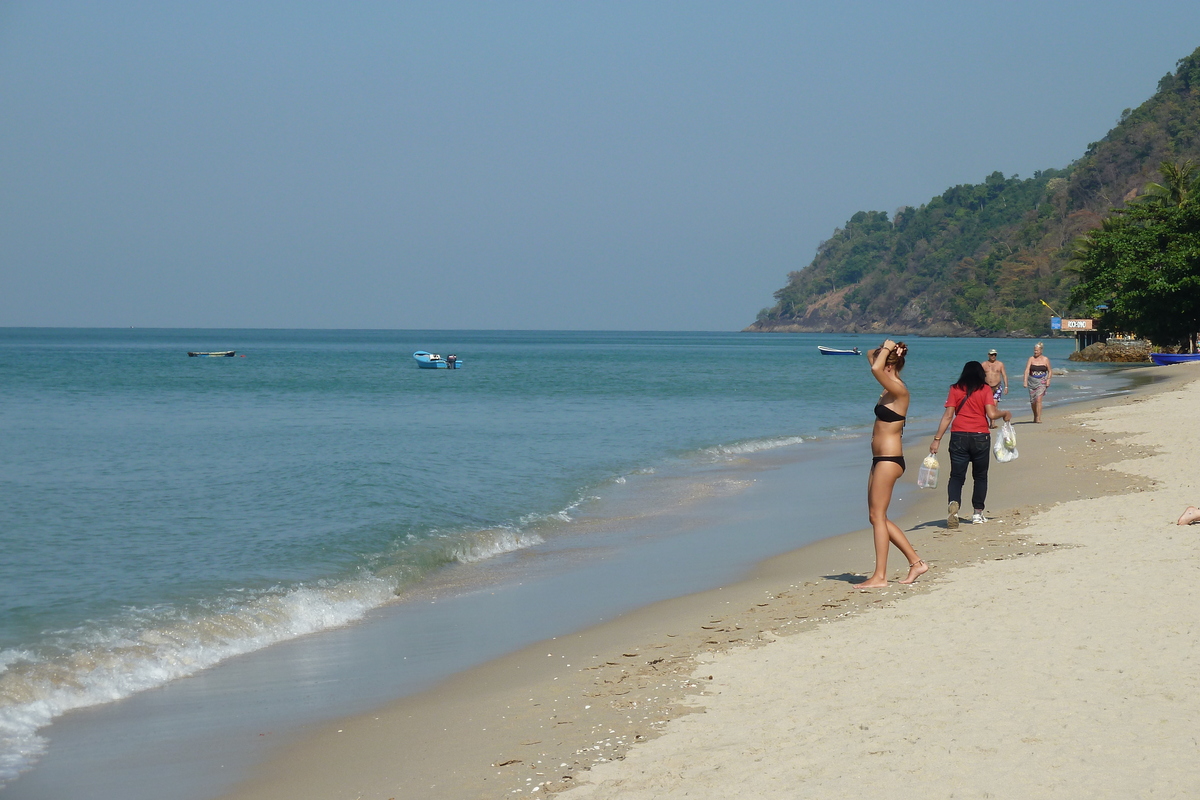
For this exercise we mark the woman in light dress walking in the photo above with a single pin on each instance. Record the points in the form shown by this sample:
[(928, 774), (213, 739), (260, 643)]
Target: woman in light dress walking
[(1037, 380)]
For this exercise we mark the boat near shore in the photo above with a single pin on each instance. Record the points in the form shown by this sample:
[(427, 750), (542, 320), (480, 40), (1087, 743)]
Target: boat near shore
[(1166, 359)]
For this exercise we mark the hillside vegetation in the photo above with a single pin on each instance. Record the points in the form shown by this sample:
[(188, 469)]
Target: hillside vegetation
[(978, 259)]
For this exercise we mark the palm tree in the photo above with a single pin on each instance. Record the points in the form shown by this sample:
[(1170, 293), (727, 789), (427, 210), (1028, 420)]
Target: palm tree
[(1082, 247), (1180, 186)]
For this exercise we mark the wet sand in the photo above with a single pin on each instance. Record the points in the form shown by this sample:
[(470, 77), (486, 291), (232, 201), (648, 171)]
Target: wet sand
[(998, 674)]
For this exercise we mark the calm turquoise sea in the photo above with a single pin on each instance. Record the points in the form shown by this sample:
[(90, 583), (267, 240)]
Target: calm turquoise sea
[(162, 513)]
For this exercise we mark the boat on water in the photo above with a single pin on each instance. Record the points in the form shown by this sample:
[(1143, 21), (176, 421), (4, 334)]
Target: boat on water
[(435, 361), (833, 351), (217, 354), (1164, 359)]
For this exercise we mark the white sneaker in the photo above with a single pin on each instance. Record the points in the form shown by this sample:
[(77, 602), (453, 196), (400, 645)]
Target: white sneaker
[(978, 518)]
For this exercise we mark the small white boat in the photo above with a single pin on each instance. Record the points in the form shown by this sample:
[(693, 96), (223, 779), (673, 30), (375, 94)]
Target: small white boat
[(833, 351), (217, 354)]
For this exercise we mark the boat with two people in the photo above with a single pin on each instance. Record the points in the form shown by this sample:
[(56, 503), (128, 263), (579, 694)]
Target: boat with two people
[(1165, 359)]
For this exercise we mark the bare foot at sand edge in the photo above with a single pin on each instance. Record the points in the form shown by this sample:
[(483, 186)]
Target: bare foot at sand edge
[(870, 584), (916, 570)]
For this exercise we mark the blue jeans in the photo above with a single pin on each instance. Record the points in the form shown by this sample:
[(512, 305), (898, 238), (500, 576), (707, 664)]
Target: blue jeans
[(974, 449)]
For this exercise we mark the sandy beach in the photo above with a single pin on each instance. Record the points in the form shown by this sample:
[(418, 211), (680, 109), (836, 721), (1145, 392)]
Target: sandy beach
[(1048, 653)]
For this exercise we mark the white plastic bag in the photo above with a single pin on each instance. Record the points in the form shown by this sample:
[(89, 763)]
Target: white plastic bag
[(928, 473), (1004, 445)]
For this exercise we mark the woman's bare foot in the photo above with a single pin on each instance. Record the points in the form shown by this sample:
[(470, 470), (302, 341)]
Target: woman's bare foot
[(871, 583), (1192, 514), (916, 570)]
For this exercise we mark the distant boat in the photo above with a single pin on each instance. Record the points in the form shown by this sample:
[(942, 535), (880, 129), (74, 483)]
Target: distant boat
[(435, 361), (1164, 359), (218, 354), (833, 351)]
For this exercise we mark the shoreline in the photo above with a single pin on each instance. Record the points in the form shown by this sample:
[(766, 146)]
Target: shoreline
[(546, 715), (1069, 675), (89, 710)]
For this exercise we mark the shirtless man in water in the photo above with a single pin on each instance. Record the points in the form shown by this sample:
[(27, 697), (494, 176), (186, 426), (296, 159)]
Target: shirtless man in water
[(997, 378)]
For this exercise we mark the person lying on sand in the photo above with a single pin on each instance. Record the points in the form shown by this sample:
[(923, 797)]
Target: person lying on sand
[(1191, 514)]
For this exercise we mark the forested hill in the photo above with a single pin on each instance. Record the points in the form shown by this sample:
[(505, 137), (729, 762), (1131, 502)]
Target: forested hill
[(978, 259)]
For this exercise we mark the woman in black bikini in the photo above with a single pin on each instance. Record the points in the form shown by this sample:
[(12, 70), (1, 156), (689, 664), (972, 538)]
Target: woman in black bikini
[(887, 464)]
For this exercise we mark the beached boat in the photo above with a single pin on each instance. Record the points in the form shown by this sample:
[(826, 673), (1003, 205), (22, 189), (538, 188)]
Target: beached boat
[(435, 361), (1163, 359), (218, 354), (833, 351)]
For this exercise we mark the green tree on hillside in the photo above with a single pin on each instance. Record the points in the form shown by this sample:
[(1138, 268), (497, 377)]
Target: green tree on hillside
[(1144, 265), (977, 259), (1181, 184), (943, 259)]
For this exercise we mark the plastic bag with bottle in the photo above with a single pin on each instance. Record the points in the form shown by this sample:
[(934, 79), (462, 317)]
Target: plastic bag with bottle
[(927, 475), (1005, 443)]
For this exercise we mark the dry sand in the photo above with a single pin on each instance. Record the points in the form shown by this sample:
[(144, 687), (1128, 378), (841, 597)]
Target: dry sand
[(1071, 674)]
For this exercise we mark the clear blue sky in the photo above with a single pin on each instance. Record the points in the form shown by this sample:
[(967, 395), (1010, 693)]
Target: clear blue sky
[(556, 165)]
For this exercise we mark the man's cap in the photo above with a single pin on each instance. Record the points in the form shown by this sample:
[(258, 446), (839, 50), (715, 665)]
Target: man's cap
[(991, 352)]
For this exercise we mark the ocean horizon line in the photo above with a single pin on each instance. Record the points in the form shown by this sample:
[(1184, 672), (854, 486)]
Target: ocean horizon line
[(781, 334)]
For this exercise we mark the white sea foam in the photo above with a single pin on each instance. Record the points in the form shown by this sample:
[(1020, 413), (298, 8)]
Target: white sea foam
[(151, 647), (563, 515), (100, 665), (751, 446), (496, 542)]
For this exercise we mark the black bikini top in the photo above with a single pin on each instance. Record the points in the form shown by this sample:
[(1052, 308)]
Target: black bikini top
[(885, 414)]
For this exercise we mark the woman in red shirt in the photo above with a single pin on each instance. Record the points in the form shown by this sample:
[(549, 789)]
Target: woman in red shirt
[(969, 406)]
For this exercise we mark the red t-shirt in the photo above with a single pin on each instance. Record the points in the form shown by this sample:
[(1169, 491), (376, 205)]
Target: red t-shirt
[(972, 417)]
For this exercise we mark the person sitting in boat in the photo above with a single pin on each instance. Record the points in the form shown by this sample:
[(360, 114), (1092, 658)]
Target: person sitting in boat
[(856, 352)]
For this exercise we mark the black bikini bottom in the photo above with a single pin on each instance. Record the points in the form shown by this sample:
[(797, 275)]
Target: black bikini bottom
[(894, 459)]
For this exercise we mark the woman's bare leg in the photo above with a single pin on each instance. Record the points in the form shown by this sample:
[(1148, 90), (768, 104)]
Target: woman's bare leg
[(916, 567), (1037, 409), (879, 496), (1190, 515)]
